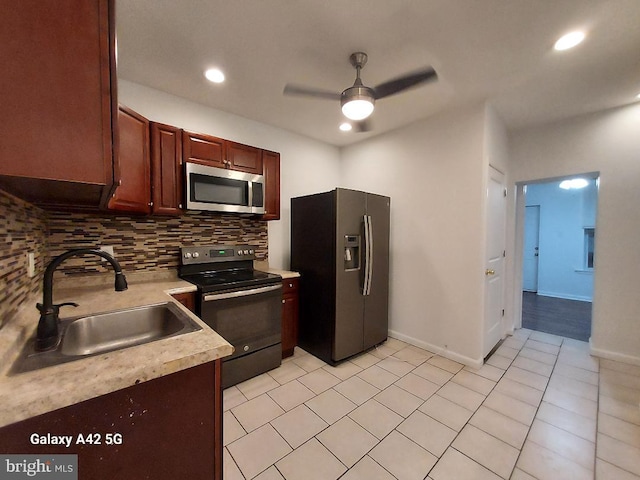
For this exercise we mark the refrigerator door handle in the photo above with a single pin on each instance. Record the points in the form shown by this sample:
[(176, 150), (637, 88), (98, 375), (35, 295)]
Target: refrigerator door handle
[(365, 283), (368, 255), (370, 249)]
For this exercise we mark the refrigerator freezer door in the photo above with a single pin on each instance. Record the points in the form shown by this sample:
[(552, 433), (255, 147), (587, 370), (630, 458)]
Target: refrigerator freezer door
[(348, 338), (376, 309)]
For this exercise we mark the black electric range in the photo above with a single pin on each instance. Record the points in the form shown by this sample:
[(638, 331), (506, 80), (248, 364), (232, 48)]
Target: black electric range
[(242, 304)]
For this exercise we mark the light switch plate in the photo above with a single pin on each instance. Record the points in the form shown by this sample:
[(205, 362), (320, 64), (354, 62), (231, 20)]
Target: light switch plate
[(107, 249), (31, 265)]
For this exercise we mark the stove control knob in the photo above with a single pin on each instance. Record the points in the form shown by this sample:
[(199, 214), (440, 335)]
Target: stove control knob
[(251, 252), (246, 252), (246, 348), (187, 255), (196, 254), (239, 253)]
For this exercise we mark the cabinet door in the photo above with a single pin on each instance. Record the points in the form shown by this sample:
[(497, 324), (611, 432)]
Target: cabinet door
[(166, 169), (271, 172), (170, 428), (244, 158), (203, 149), (58, 101), (188, 299), (289, 316), (133, 193)]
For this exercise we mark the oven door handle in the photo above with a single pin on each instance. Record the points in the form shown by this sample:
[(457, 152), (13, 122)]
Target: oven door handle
[(241, 293)]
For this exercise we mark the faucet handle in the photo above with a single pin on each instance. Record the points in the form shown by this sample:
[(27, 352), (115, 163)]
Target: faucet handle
[(55, 308), (70, 304)]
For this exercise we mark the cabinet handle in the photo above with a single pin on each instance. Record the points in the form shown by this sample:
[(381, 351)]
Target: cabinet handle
[(291, 285), (284, 301)]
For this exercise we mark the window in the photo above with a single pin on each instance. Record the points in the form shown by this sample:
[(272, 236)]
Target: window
[(589, 243)]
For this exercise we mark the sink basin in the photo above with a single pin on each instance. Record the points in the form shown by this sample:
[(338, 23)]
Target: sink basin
[(105, 332)]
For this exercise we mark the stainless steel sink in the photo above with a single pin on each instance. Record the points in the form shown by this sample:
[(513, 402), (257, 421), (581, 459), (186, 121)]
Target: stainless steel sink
[(105, 332)]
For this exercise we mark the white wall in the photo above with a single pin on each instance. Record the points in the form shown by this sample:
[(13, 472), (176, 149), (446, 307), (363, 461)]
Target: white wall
[(434, 172), (607, 142), (564, 214), (306, 165)]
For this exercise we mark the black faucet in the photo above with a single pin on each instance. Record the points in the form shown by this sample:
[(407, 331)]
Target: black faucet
[(47, 336)]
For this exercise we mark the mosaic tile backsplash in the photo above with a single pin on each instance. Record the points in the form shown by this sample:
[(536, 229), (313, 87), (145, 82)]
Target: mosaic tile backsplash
[(147, 243), (140, 243), (22, 230)]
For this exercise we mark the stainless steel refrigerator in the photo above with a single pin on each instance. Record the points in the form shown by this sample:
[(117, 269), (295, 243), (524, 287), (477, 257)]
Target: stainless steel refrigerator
[(340, 246)]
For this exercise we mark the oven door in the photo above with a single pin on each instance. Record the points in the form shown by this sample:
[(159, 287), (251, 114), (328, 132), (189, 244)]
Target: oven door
[(249, 319)]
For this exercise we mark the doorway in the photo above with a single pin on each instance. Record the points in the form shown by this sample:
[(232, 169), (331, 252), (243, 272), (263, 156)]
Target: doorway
[(559, 217)]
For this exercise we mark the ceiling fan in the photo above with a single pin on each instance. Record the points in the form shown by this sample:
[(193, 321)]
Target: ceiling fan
[(358, 101)]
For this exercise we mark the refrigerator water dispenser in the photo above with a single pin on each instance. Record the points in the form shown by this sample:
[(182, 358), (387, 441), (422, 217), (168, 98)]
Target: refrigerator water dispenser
[(351, 252)]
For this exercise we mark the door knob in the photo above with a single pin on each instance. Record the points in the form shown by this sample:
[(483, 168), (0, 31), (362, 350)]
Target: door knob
[(489, 272)]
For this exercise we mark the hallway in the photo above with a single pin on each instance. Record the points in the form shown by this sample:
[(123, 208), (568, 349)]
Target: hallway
[(558, 316)]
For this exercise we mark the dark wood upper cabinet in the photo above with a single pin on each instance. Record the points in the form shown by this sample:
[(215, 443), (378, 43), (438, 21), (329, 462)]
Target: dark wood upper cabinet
[(204, 149), (167, 173), (58, 97), (244, 158), (133, 193), (217, 152), (271, 172)]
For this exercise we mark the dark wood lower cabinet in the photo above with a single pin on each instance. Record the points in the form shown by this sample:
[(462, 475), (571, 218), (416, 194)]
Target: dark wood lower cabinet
[(188, 299), (170, 428), (289, 316)]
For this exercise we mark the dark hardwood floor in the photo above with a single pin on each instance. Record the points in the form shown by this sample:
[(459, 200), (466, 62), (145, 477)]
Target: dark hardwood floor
[(568, 318)]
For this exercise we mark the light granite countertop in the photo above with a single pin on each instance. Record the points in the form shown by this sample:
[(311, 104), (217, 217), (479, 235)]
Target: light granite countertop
[(33, 393), (264, 266)]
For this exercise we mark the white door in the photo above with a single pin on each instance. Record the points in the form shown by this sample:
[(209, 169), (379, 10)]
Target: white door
[(494, 261), (531, 248)]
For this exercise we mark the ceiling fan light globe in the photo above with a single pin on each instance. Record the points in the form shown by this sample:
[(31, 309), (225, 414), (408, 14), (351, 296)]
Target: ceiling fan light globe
[(357, 109), (357, 102)]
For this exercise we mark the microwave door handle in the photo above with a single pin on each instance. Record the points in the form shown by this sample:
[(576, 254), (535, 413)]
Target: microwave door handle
[(241, 293), (250, 195)]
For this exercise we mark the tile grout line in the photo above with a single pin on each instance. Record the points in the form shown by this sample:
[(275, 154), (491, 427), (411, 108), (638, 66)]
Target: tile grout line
[(515, 465), (328, 426), (426, 360), (472, 415), (538, 408)]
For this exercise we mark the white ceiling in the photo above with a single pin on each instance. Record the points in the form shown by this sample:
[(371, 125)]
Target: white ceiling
[(500, 50)]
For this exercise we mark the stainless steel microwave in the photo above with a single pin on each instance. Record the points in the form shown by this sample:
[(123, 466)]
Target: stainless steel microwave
[(221, 190)]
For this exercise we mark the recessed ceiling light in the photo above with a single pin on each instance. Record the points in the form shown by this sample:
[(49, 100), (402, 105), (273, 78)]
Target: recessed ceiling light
[(569, 40), (345, 127), (214, 75)]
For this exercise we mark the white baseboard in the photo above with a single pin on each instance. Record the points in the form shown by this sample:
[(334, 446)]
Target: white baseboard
[(565, 296), (609, 355), (456, 357)]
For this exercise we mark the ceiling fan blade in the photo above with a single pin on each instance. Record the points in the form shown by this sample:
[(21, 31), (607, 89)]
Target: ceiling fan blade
[(406, 81), (310, 92)]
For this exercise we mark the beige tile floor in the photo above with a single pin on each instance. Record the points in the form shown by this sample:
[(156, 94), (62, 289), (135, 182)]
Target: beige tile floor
[(540, 408)]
